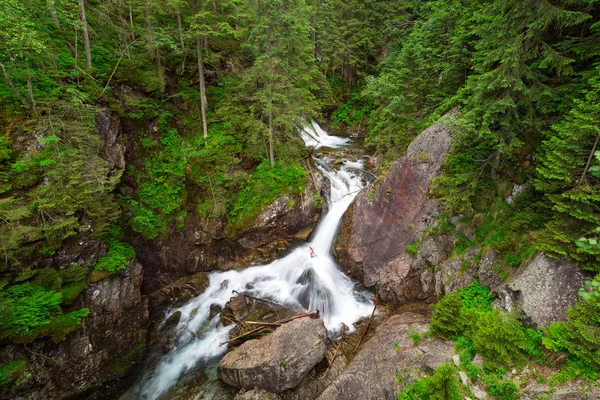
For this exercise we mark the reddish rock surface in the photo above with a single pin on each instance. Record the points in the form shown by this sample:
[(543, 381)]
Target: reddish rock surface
[(380, 224)]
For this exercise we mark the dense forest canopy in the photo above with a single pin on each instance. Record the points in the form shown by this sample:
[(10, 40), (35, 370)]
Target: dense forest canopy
[(225, 83)]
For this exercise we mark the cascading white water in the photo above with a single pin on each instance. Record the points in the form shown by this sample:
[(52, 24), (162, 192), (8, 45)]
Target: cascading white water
[(300, 279), (314, 136)]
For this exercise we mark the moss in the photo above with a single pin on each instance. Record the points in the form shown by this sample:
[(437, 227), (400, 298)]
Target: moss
[(11, 372), (124, 363)]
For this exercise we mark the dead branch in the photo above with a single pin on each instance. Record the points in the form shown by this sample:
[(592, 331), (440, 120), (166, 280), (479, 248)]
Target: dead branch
[(310, 314), (366, 326)]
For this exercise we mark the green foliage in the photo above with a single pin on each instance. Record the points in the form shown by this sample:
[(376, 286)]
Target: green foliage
[(11, 372), (579, 336), (500, 338), (264, 186), (446, 320), (56, 183), (119, 254), (475, 296), (442, 385), (457, 312), (28, 312), (467, 317), (416, 337), (572, 192)]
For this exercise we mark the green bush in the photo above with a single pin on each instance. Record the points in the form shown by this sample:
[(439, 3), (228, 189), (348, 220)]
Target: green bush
[(118, 256), (579, 336), (499, 338), (442, 385), (11, 372), (447, 318), (264, 186)]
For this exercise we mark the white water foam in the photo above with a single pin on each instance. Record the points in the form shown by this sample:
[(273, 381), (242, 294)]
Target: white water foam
[(302, 279), (314, 136)]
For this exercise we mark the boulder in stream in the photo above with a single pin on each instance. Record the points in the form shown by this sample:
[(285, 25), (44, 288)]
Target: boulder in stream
[(277, 361)]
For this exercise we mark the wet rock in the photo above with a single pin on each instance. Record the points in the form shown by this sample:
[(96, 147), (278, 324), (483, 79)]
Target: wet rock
[(382, 221), (108, 125), (318, 380), (256, 394), (108, 343), (389, 353), (279, 360), (543, 290), (180, 291)]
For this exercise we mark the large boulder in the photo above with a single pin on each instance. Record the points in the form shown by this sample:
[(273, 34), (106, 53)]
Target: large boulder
[(379, 225), (390, 353), (543, 290), (277, 361)]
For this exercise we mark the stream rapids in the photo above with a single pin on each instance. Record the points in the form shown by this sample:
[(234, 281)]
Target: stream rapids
[(307, 278)]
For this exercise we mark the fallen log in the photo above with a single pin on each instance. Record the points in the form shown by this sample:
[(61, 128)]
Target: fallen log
[(366, 326)]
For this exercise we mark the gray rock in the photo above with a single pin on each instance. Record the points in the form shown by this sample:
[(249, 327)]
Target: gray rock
[(456, 360), (108, 125), (543, 290), (479, 393), (277, 361), (464, 378), (256, 394), (477, 360), (371, 375)]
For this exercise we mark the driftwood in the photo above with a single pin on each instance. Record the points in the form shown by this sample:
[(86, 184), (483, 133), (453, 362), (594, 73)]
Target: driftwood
[(310, 314), (337, 349), (366, 326)]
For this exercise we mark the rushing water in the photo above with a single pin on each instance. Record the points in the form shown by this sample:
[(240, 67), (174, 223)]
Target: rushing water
[(308, 278)]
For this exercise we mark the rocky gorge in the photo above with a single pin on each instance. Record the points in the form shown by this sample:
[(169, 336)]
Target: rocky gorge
[(299, 359)]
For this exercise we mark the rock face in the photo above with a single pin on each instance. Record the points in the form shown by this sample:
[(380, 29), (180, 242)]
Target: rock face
[(376, 232), (108, 125), (543, 289), (202, 245), (279, 360), (180, 291), (101, 350), (391, 352)]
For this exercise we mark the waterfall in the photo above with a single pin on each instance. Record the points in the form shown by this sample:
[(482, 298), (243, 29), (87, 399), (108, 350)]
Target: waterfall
[(307, 278)]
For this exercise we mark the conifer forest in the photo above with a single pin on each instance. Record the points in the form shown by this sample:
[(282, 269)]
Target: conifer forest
[(193, 193)]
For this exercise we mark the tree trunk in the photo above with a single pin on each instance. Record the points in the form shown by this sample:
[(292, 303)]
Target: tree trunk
[(181, 41), (131, 20), (13, 87), (214, 6), (52, 9), (30, 91), (589, 161), (203, 102), (271, 154), (86, 37)]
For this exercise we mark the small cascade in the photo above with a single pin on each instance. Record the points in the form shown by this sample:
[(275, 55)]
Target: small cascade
[(307, 278)]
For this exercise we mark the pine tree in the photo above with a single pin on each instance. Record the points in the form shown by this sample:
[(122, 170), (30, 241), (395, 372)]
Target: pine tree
[(562, 174), (283, 73)]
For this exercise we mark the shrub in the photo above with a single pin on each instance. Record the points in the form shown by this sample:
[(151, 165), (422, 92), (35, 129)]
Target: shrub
[(580, 334), (446, 320), (442, 385), (499, 338)]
